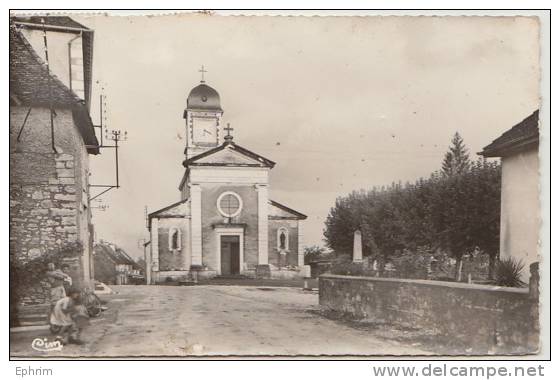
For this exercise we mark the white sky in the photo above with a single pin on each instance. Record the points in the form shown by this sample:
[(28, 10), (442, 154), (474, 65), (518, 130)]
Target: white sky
[(338, 103)]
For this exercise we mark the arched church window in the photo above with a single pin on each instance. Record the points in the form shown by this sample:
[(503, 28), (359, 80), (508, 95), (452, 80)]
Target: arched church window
[(174, 239), (282, 239), (229, 204)]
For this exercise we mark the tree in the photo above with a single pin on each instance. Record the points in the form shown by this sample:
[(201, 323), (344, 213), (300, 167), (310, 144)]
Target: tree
[(465, 212), (382, 230), (343, 219), (484, 221), (314, 253), (456, 160), (455, 210), (450, 217)]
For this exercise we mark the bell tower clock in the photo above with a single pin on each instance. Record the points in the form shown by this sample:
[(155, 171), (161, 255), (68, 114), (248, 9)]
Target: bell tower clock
[(203, 117)]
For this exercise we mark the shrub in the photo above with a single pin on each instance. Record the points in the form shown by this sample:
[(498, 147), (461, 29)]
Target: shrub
[(349, 269), (411, 265), (24, 276), (508, 273)]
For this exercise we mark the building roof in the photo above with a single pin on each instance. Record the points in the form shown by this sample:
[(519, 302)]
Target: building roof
[(31, 84), (203, 97), (260, 160), (296, 214), (116, 255), (166, 208), (56, 21), (65, 23), (522, 136)]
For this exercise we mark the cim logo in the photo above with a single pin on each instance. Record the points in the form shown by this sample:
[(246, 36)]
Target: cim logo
[(43, 344)]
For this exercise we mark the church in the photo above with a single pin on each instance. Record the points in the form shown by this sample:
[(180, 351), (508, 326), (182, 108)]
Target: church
[(224, 224)]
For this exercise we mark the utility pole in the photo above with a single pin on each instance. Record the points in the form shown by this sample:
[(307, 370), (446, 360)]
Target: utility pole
[(114, 135)]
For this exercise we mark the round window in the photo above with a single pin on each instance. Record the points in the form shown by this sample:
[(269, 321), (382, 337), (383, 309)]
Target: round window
[(229, 204)]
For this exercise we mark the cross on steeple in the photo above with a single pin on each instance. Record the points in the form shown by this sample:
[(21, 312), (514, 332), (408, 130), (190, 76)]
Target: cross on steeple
[(228, 137), (202, 71)]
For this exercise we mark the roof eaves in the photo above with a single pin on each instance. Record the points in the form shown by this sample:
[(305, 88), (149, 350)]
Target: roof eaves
[(298, 214), (28, 70), (523, 135), (153, 214)]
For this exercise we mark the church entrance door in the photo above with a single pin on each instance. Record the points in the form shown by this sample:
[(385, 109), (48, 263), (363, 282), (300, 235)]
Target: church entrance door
[(229, 254)]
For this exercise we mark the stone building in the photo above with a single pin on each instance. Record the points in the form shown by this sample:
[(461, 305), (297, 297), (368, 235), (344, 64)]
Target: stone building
[(224, 223), (113, 266), (520, 206), (49, 168)]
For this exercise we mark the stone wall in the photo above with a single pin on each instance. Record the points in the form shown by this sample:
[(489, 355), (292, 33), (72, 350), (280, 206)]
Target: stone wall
[(48, 192), (273, 253), (211, 215), (471, 319), (170, 260)]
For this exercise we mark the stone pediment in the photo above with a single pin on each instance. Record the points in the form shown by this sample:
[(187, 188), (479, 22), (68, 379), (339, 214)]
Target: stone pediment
[(228, 157), (229, 154)]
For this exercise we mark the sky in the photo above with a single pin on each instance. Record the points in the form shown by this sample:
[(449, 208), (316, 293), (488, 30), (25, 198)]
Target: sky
[(339, 103)]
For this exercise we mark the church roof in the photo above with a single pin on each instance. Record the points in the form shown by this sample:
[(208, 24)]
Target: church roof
[(285, 212), (231, 156), (521, 136), (203, 97), (172, 211)]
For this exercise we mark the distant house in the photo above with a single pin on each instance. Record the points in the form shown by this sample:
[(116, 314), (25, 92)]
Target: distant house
[(51, 139), (113, 266), (520, 211)]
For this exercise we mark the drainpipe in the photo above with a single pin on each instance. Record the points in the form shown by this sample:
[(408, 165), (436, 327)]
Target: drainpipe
[(70, 57)]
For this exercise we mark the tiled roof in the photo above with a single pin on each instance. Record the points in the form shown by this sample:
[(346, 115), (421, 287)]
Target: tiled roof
[(521, 136), (63, 21), (55, 22), (32, 85), (117, 255)]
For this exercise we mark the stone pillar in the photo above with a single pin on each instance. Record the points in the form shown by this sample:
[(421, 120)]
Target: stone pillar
[(262, 194), (155, 248), (196, 225), (534, 315), (357, 254)]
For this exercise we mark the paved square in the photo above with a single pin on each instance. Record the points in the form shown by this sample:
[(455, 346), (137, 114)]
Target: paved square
[(215, 320)]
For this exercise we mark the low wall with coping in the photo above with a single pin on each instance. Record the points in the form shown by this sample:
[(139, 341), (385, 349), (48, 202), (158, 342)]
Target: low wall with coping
[(478, 319)]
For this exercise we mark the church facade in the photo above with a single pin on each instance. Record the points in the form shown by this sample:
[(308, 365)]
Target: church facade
[(224, 224)]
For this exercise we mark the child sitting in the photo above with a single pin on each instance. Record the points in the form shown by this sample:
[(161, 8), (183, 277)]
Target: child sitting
[(69, 315)]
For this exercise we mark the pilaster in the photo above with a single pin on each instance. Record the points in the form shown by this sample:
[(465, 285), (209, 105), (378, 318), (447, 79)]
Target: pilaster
[(262, 194), (196, 225), (300, 250), (155, 247)]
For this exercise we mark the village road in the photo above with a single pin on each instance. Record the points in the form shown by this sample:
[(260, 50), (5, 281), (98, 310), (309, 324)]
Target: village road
[(217, 320)]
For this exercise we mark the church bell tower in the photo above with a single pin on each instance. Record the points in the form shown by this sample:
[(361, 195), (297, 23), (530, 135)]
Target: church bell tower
[(203, 117)]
